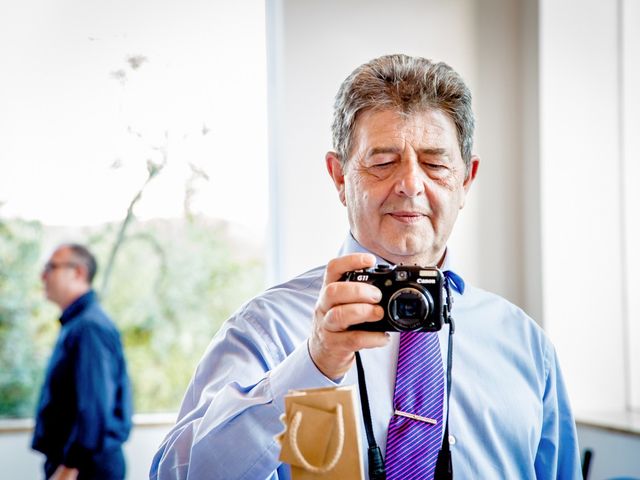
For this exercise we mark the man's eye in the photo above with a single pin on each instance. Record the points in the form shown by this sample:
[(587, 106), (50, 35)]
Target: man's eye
[(383, 165), (435, 166)]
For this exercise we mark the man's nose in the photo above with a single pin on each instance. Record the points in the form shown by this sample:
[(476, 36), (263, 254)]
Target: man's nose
[(410, 178)]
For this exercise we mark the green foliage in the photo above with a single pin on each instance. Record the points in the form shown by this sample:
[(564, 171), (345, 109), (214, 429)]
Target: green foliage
[(187, 281), (172, 285), (24, 337)]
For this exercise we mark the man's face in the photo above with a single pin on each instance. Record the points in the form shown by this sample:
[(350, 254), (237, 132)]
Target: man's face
[(60, 277), (403, 184)]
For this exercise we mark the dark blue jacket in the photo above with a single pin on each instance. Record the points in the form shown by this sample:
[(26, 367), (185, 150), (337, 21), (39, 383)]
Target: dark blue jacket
[(84, 412)]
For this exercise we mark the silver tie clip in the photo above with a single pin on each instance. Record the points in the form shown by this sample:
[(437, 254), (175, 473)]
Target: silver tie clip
[(413, 416)]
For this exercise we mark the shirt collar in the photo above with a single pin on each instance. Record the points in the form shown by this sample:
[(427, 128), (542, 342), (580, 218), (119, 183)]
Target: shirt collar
[(455, 280), (351, 245), (77, 306)]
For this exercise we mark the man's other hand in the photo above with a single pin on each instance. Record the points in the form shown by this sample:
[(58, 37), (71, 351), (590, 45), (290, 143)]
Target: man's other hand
[(340, 305), (64, 473)]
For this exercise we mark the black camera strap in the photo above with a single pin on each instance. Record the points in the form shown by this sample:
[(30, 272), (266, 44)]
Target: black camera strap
[(376, 462), (444, 467)]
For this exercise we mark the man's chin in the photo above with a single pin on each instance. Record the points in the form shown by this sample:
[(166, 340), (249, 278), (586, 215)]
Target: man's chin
[(409, 257), (409, 251)]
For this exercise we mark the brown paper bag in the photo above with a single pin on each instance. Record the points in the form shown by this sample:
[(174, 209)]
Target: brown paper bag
[(322, 434)]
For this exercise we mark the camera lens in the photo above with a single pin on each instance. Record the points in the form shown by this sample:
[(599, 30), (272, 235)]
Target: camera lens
[(409, 308)]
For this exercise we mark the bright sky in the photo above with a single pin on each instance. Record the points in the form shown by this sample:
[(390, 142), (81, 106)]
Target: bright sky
[(68, 96)]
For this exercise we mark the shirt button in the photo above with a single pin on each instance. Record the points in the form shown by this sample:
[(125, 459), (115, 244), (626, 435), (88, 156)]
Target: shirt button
[(452, 440)]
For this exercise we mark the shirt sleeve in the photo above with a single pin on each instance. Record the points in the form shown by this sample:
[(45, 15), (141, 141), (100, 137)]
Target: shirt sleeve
[(558, 455), (232, 408), (95, 383)]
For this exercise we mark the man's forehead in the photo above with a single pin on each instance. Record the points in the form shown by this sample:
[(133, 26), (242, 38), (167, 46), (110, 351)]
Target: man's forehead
[(425, 125)]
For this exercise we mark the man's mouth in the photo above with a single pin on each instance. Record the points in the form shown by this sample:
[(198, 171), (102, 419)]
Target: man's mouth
[(406, 216)]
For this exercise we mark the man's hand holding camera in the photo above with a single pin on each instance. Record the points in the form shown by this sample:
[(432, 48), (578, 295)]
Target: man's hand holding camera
[(340, 305)]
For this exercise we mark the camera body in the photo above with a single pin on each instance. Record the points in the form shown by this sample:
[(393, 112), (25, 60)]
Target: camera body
[(412, 297)]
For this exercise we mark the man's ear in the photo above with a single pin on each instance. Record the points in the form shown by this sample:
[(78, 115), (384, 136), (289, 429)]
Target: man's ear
[(81, 272), (336, 171), (471, 176)]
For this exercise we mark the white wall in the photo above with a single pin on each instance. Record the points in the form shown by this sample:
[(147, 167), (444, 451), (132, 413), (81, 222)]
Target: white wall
[(315, 45), (18, 461), (582, 178), (631, 177)]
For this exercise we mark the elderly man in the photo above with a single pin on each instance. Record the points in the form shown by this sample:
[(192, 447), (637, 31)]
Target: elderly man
[(84, 413), (402, 167)]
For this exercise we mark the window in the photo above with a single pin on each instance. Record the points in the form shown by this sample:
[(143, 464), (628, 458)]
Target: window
[(157, 109)]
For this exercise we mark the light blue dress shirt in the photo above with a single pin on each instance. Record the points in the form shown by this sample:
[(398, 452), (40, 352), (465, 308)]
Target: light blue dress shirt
[(510, 415)]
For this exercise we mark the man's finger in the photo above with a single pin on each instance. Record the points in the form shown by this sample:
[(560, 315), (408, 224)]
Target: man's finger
[(339, 266), (341, 317), (341, 293)]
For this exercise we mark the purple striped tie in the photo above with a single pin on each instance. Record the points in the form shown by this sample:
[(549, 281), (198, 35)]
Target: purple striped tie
[(413, 444)]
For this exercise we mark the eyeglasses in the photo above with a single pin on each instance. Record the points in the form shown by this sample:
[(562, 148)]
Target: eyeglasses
[(51, 266)]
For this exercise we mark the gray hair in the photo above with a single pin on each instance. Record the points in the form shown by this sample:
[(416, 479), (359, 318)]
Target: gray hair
[(407, 85), (82, 254)]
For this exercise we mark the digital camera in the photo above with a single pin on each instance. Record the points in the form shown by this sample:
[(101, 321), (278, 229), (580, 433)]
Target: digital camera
[(412, 297)]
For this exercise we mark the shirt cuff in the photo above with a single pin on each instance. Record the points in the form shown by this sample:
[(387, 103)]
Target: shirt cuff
[(296, 372)]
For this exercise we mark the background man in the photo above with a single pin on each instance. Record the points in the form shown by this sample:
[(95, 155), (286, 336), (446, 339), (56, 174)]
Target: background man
[(402, 166), (84, 413)]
